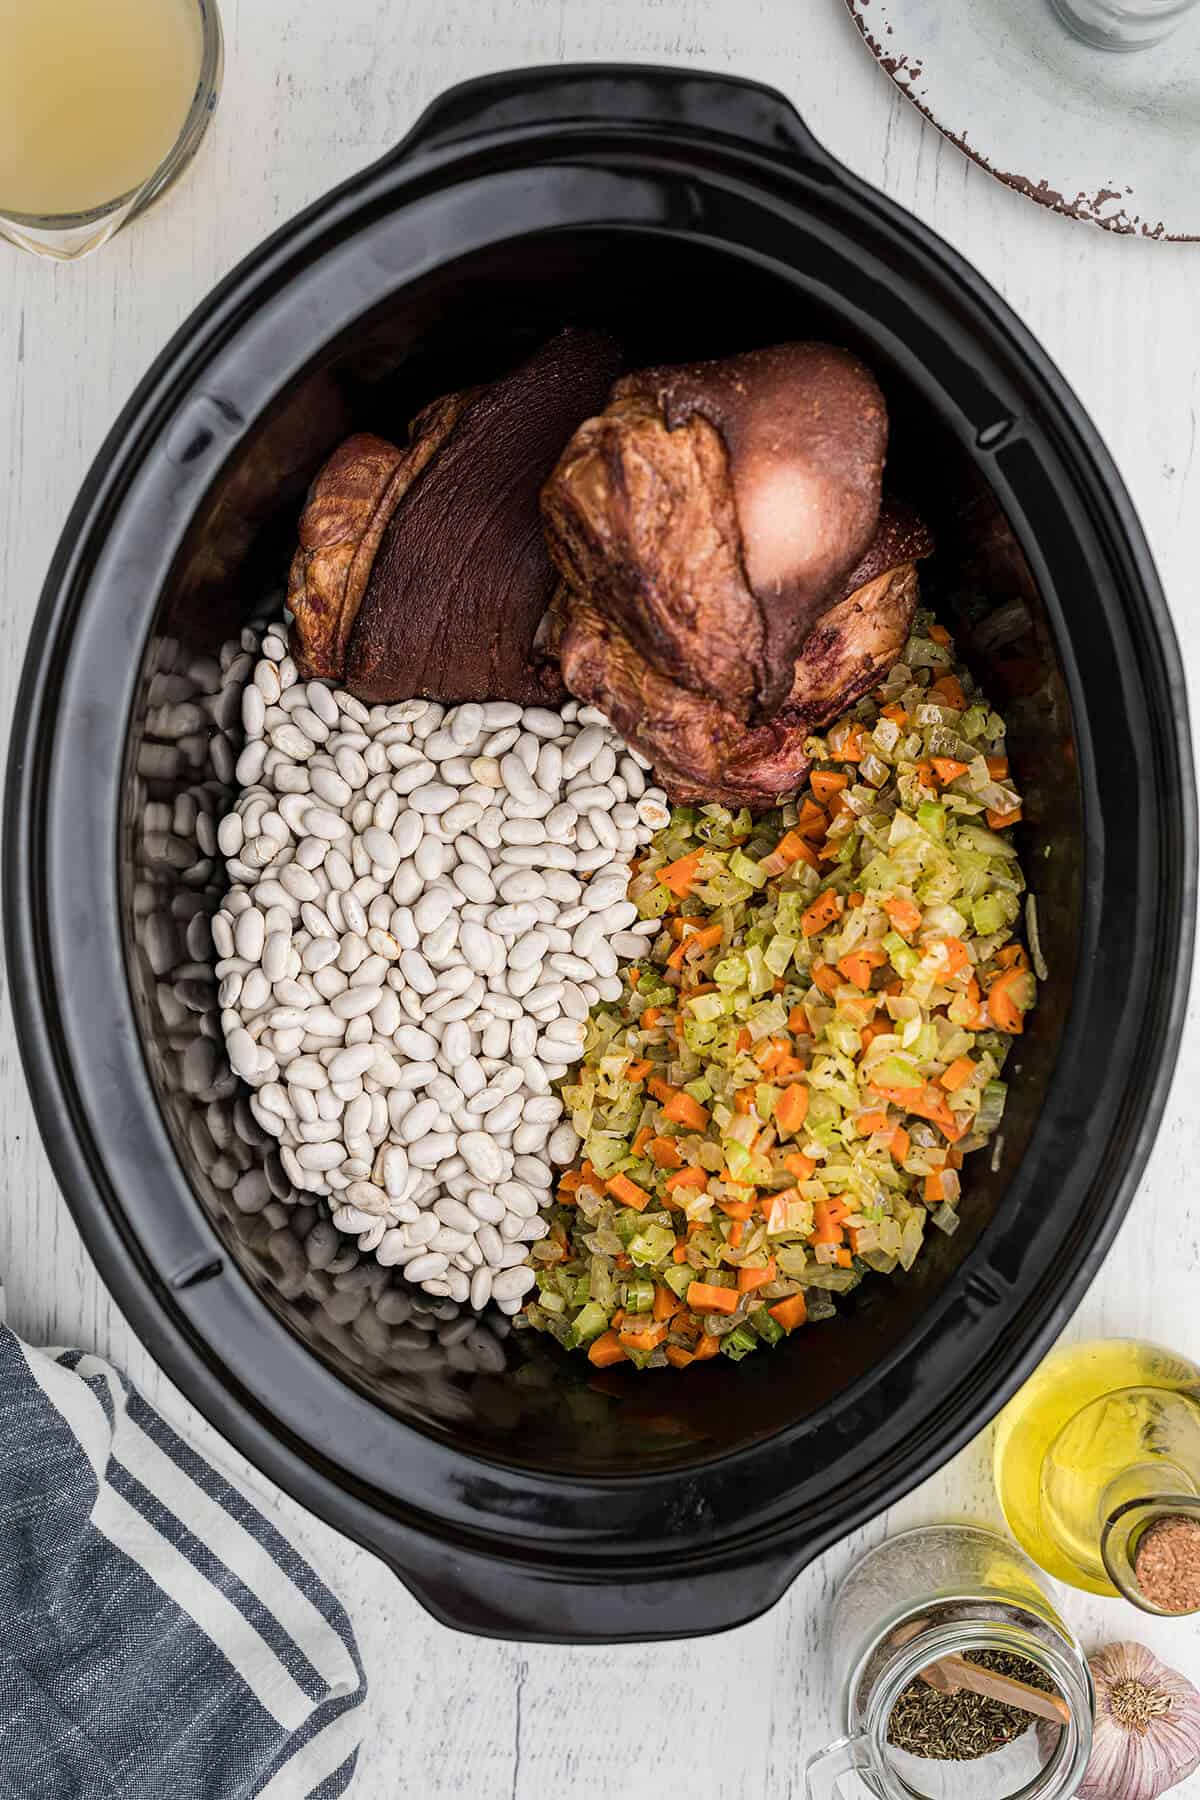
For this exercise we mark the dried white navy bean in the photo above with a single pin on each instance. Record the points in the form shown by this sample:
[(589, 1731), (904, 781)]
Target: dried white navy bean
[(416, 963)]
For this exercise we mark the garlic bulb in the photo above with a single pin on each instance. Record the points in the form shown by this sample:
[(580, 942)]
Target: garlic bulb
[(1147, 1734)]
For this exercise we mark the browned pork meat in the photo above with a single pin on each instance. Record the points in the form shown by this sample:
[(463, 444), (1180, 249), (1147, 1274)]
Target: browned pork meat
[(700, 749), (714, 510), (424, 570)]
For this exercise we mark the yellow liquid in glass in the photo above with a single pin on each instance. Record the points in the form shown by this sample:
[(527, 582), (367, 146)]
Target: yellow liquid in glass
[(1097, 1425), (93, 94)]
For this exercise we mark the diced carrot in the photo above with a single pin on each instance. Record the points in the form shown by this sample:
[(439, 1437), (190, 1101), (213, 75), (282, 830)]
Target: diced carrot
[(665, 1152), (925, 774), (895, 712), (635, 975), (680, 875), (770, 1050), (905, 915), (678, 1357), (837, 806), (926, 1102), (569, 1180), (666, 1304), (852, 748), (875, 1029), (900, 1144), (935, 1189), (825, 977), (869, 1123), (840, 1208), (1002, 821), (743, 1041), (679, 1253), (649, 1339), (751, 1279), (826, 1229), (939, 634), (948, 768), (812, 822), (798, 1019), (638, 1071), (958, 957), (822, 912), (1012, 957), (825, 783), (628, 1192), (799, 1165), (845, 1259), (687, 1178), (791, 1109), (789, 1313), (650, 1017), (855, 900), (642, 1139), (948, 692), (857, 966), (736, 1232), (701, 1297), (787, 1065), (681, 1109), (957, 1075), (607, 1349), (997, 767), (793, 848), (708, 939), (684, 923), (623, 1262), (1009, 999), (662, 1090), (743, 1100), (706, 1346), (741, 1210)]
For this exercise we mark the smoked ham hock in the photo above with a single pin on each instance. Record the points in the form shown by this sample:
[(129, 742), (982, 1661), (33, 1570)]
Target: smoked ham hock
[(423, 570), (714, 510), (700, 749)]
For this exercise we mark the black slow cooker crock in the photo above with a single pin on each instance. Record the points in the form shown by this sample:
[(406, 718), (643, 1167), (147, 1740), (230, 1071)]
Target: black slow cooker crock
[(518, 1491)]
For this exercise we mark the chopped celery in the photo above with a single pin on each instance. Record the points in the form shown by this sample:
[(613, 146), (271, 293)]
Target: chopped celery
[(738, 1343)]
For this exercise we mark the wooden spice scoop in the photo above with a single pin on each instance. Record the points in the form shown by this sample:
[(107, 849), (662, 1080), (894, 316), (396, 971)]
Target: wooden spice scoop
[(950, 1674)]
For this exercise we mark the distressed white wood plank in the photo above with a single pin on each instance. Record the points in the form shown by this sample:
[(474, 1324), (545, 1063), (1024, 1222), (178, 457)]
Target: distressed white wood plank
[(312, 94)]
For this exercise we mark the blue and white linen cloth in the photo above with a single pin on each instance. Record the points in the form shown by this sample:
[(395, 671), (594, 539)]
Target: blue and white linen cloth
[(159, 1639)]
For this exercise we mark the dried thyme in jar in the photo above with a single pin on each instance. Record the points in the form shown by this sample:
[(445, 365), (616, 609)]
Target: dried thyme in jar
[(962, 1726)]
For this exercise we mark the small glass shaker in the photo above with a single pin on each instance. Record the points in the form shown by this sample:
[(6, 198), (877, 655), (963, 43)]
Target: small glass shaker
[(943, 1590), (1122, 24)]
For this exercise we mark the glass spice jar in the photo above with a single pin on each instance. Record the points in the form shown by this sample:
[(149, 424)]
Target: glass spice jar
[(936, 1592)]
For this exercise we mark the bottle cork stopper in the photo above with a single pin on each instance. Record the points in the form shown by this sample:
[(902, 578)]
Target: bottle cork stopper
[(1167, 1564)]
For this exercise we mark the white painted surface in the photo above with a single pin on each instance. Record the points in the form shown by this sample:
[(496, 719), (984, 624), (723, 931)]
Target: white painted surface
[(312, 93), (1108, 136)]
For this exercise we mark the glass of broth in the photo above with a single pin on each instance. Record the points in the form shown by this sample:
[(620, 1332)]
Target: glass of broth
[(103, 103)]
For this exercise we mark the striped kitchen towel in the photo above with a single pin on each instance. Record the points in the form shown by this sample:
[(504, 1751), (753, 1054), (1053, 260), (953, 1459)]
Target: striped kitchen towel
[(159, 1640)]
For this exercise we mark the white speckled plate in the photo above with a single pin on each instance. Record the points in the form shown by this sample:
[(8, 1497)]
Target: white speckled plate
[(1107, 137)]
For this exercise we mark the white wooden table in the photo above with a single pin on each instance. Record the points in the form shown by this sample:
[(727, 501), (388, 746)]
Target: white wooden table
[(312, 93)]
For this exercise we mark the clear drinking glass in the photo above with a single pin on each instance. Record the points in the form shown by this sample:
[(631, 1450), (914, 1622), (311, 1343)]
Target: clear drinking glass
[(103, 103), (1122, 24), (935, 1592)]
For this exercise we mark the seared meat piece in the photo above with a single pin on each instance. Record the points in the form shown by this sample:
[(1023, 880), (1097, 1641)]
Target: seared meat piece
[(700, 749), (714, 510), (424, 570), (349, 504)]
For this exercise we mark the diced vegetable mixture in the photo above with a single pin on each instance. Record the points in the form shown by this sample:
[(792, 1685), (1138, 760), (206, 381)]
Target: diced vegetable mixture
[(784, 1094)]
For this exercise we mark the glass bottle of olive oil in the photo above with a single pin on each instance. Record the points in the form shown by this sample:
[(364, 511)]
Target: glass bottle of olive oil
[(1098, 1470)]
